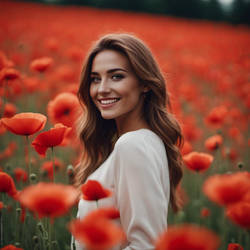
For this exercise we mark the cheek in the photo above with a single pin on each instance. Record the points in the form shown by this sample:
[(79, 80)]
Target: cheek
[(92, 91)]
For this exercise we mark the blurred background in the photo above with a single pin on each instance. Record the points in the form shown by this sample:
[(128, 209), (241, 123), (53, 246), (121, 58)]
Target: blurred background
[(232, 11)]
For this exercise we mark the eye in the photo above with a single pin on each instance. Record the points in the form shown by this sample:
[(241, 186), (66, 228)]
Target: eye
[(117, 77), (95, 79)]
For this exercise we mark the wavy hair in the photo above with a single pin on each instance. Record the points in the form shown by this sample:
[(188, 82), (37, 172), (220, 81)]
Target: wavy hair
[(98, 135)]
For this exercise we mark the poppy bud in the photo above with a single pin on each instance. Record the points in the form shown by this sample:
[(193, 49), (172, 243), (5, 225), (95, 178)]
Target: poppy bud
[(35, 239), (240, 165), (18, 211), (33, 177), (54, 245), (70, 171), (17, 244), (8, 168), (40, 227)]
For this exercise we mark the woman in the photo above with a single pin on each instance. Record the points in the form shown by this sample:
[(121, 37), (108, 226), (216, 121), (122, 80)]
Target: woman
[(129, 137)]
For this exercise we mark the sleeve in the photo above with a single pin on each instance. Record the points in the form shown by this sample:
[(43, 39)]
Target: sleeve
[(140, 197)]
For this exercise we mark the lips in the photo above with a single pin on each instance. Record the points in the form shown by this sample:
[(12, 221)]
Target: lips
[(107, 101)]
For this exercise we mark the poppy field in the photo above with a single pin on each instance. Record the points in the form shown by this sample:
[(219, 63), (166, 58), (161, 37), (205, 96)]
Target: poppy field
[(207, 70)]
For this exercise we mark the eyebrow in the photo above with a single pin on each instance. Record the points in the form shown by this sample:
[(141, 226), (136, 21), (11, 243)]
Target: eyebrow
[(110, 71)]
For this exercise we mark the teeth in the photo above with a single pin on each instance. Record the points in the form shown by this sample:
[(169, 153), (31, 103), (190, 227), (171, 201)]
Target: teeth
[(109, 101)]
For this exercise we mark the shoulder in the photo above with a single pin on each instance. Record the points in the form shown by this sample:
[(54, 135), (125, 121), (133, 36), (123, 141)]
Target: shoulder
[(142, 141)]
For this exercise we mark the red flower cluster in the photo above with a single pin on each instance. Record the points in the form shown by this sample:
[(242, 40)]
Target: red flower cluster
[(233, 192)]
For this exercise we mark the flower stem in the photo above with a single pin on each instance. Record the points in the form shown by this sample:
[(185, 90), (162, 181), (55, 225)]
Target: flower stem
[(1, 225), (50, 234), (27, 156), (53, 161)]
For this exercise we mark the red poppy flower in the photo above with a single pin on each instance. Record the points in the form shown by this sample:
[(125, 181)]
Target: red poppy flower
[(9, 110), (7, 185), (205, 212), (92, 190), (239, 213), (9, 74), (213, 142), (187, 148), (50, 138), (188, 237), (234, 246), (20, 175), (107, 212), (217, 116), (96, 233), (48, 167), (41, 64), (198, 161), (25, 123), (48, 199), (227, 189), (64, 109), (8, 151), (1, 205), (11, 247)]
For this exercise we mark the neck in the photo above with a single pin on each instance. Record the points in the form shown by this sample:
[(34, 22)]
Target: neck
[(124, 126)]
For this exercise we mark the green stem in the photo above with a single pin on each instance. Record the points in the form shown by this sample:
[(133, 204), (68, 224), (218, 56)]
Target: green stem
[(28, 160), (53, 161), (50, 234), (1, 224), (4, 99), (97, 203)]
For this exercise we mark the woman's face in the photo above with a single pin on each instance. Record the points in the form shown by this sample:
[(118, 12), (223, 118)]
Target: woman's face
[(114, 87)]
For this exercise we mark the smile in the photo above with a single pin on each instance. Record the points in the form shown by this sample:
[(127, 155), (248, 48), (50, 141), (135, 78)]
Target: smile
[(108, 101)]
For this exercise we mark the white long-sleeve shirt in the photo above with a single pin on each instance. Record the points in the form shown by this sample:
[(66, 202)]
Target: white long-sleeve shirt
[(137, 174)]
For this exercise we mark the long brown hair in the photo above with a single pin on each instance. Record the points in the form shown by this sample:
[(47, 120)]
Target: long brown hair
[(99, 135)]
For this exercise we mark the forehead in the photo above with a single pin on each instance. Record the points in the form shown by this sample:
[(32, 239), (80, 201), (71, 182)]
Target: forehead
[(109, 59)]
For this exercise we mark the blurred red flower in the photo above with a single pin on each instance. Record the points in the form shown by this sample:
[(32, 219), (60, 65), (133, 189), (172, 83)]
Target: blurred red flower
[(213, 142), (50, 138), (64, 109), (188, 237), (92, 190), (9, 74), (239, 213), (41, 64), (106, 212), (20, 175), (8, 151), (48, 199), (9, 110), (198, 161), (227, 189), (187, 148), (216, 116), (11, 247), (47, 166), (7, 185), (25, 123), (96, 231), (234, 246), (205, 212), (1, 205)]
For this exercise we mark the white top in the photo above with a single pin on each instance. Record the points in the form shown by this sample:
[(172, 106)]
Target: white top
[(137, 174)]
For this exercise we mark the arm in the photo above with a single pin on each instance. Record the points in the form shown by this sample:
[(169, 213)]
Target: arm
[(140, 196)]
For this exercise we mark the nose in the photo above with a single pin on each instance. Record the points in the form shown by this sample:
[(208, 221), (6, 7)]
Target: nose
[(104, 87)]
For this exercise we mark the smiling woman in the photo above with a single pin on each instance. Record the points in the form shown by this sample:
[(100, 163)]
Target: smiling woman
[(130, 140)]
